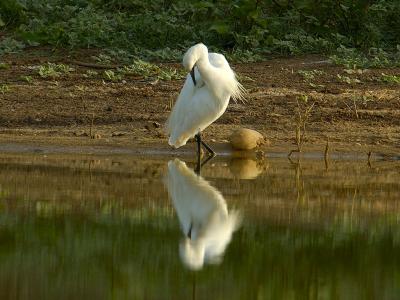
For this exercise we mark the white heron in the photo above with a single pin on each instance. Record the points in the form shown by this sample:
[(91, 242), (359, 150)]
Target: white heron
[(204, 97), (203, 215)]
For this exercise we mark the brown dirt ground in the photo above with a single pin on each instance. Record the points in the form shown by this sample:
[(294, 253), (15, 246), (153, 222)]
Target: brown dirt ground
[(359, 117)]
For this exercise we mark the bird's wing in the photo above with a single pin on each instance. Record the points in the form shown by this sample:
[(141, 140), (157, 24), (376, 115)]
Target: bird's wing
[(193, 114), (219, 61)]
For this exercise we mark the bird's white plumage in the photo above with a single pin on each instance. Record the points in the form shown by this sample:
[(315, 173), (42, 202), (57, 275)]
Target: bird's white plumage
[(203, 212), (200, 105)]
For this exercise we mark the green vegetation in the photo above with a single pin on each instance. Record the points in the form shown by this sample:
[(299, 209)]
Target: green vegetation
[(145, 69), (4, 88), (27, 78), (303, 113), (10, 45), (390, 78), (347, 79), (310, 75), (375, 58), (110, 75), (142, 69), (245, 30), (51, 70), (4, 66), (124, 258)]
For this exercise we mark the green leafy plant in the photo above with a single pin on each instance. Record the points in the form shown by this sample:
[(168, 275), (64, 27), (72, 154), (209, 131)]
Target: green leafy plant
[(90, 74), (310, 75), (110, 75), (375, 58), (9, 45), (52, 70), (4, 66), (390, 78), (245, 29), (347, 79), (145, 69), (4, 88), (27, 78)]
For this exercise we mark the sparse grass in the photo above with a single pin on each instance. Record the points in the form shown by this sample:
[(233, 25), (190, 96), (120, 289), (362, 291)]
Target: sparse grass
[(316, 86), (112, 76), (143, 69), (27, 78), (390, 78), (347, 79), (303, 113), (375, 58), (52, 70), (4, 66), (310, 75), (9, 45), (4, 88), (102, 58), (148, 70), (90, 74)]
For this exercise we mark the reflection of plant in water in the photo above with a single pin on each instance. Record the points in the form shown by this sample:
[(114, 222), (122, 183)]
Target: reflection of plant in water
[(301, 193), (136, 260)]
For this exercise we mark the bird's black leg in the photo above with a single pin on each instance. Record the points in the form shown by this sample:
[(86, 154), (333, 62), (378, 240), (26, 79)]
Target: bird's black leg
[(210, 151), (206, 160), (198, 140)]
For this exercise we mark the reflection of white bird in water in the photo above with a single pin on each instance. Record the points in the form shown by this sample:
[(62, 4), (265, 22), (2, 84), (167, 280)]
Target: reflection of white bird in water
[(204, 96), (203, 214)]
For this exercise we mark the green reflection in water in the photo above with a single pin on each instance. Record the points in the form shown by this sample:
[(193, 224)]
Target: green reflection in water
[(67, 232)]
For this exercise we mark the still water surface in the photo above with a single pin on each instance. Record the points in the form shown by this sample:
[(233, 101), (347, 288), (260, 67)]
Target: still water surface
[(121, 227)]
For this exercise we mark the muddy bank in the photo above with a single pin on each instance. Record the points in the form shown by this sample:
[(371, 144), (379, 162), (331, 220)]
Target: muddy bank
[(360, 114)]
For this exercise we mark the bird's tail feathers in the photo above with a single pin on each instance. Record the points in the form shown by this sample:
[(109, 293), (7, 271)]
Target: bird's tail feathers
[(238, 92)]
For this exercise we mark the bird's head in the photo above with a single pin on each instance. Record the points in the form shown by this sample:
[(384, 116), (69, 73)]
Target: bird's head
[(192, 55)]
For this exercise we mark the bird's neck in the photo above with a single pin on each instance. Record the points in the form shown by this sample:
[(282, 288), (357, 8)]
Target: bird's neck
[(204, 67)]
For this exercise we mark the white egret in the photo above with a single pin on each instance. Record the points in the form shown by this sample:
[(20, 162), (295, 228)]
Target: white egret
[(204, 97), (203, 215)]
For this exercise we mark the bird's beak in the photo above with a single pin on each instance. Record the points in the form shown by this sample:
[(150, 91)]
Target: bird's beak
[(192, 74)]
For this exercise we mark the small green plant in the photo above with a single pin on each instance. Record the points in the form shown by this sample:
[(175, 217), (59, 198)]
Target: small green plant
[(148, 70), (9, 45), (375, 58), (102, 58), (310, 75), (317, 86), (390, 78), (303, 113), (110, 75), (90, 74), (347, 79), (52, 70), (4, 66), (4, 88), (27, 78), (141, 68)]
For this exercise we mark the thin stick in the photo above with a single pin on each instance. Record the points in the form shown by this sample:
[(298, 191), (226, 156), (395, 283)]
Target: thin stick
[(369, 158), (326, 153), (91, 125)]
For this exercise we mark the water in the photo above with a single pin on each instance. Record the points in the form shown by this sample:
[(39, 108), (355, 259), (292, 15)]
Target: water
[(125, 227)]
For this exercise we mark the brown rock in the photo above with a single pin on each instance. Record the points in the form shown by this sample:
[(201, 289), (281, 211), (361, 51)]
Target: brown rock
[(246, 139)]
